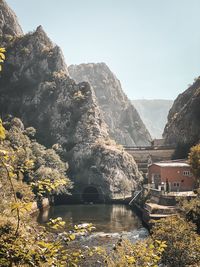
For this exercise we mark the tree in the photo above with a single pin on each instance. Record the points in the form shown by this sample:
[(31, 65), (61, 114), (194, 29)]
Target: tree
[(194, 160), (183, 243), (46, 171), (182, 150), (2, 131), (190, 208), (125, 186), (143, 253), (50, 182), (23, 242)]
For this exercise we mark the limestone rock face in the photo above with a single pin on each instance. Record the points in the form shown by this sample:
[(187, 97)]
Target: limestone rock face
[(125, 124), (35, 86), (184, 117), (8, 21)]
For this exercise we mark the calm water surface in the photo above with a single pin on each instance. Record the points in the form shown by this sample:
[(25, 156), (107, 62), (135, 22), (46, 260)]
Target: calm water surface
[(106, 218), (111, 221)]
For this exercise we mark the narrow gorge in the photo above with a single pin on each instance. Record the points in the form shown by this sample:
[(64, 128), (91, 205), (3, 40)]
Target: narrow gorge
[(36, 87)]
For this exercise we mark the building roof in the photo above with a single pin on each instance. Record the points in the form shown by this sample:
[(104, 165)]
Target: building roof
[(172, 163)]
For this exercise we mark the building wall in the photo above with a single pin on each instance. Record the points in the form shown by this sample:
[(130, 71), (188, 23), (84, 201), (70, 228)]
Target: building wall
[(175, 175), (176, 179), (152, 171)]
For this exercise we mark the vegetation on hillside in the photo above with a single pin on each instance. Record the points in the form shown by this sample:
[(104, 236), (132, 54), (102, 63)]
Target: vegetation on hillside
[(194, 160), (182, 150), (28, 172)]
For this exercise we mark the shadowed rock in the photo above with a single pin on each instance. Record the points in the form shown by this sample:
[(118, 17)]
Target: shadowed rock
[(183, 124)]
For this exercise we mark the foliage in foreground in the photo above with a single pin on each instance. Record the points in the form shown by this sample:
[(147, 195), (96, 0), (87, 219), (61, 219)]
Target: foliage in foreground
[(35, 246), (23, 242), (183, 243), (190, 208), (143, 253)]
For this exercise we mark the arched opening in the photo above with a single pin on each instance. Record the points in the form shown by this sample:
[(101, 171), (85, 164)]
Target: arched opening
[(90, 194)]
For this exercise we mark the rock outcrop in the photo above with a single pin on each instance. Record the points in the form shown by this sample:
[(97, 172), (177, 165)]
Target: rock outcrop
[(154, 113), (125, 124), (9, 25), (35, 86), (183, 124)]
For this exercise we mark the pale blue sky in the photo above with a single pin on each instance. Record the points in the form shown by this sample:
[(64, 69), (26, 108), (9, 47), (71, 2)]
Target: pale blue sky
[(153, 46)]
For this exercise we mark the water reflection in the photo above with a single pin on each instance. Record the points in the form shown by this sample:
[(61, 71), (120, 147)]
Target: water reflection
[(106, 218)]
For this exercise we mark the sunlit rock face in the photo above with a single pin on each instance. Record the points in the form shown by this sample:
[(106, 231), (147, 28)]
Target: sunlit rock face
[(35, 86), (9, 25), (125, 124), (183, 124)]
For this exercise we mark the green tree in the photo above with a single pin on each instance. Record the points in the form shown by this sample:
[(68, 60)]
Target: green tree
[(190, 208), (2, 131), (23, 242), (143, 253), (183, 243), (194, 160), (124, 187), (36, 165)]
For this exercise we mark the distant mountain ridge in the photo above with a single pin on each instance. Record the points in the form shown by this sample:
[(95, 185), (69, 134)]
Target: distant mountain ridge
[(124, 123), (154, 114)]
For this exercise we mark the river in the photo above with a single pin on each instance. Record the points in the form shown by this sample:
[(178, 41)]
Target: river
[(111, 221)]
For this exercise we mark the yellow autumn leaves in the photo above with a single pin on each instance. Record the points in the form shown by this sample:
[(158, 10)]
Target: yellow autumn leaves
[(2, 131), (2, 56)]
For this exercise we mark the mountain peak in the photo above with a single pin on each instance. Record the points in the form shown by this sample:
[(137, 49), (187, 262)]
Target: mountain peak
[(125, 124), (9, 24)]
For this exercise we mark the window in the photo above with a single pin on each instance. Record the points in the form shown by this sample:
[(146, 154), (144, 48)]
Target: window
[(186, 173), (176, 184)]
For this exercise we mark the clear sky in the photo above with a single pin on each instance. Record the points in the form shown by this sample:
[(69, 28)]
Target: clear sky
[(153, 46)]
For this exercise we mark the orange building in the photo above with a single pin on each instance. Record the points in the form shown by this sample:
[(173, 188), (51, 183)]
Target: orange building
[(172, 176)]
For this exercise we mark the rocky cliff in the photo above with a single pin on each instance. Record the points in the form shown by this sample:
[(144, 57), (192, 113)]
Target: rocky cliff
[(154, 113), (183, 124), (125, 124), (9, 25), (35, 86)]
